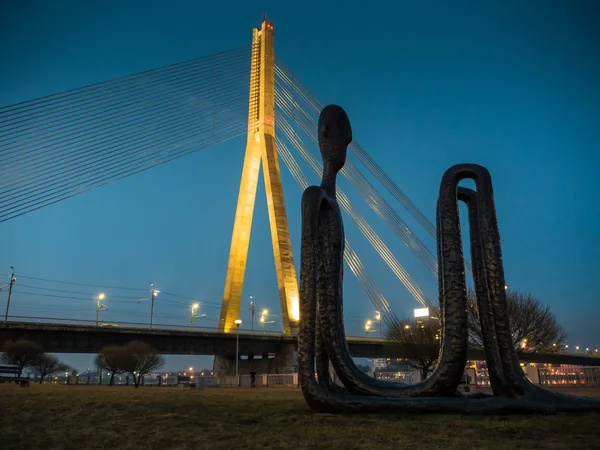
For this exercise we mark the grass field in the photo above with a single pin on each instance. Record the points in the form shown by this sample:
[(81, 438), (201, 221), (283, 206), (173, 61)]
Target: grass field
[(55, 416)]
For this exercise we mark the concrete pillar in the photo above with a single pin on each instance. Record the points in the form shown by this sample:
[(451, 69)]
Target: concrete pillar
[(286, 360), (260, 147), (533, 374)]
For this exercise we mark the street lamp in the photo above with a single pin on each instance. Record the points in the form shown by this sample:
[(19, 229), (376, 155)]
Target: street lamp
[(154, 293), (237, 322), (252, 309), (99, 305), (368, 325), (195, 307), (12, 281), (263, 319), (378, 320)]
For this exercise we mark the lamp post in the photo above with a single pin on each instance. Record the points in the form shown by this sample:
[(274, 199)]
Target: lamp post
[(12, 280), (195, 307), (252, 309), (378, 320), (237, 322), (99, 305), (368, 325), (154, 293), (263, 319)]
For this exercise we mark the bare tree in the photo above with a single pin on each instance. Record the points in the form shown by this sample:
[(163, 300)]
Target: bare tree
[(140, 359), (425, 333), (113, 359), (46, 364), (21, 354), (534, 326)]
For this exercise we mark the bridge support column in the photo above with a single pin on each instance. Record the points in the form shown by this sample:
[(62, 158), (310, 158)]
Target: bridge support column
[(260, 147)]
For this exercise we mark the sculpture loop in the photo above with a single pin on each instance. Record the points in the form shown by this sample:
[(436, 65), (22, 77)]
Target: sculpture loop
[(322, 339)]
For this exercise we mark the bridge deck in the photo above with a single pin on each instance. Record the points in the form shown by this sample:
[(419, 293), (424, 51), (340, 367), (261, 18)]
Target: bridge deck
[(76, 338)]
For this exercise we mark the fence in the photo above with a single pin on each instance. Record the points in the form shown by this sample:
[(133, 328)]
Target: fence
[(397, 377), (264, 380), (569, 376)]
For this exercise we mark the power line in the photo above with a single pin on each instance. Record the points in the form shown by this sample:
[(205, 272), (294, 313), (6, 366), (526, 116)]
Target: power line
[(82, 284), (106, 287)]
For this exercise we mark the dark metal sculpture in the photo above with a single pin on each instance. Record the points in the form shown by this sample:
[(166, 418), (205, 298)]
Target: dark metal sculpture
[(322, 338)]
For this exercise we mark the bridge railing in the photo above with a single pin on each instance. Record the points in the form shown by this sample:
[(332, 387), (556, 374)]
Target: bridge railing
[(569, 376), (131, 325)]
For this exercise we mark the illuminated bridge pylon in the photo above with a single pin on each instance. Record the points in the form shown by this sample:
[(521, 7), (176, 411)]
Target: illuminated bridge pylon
[(260, 146)]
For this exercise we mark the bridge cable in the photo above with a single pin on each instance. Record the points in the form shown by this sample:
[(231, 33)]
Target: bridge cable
[(371, 196), (362, 224), (170, 91), (350, 256), (153, 159), (361, 154), (109, 123), (60, 96)]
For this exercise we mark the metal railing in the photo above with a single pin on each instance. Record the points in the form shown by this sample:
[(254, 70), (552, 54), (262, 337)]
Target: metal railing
[(396, 377), (569, 376)]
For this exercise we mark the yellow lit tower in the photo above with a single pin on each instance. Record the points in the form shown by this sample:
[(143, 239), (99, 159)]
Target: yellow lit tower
[(261, 147)]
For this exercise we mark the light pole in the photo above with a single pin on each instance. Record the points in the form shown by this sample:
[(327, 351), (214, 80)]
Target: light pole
[(368, 325), (238, 322), (154, 293), (252, 309), (195, 307), (263, 319), (12, 280), (99, 305), (378, 320)]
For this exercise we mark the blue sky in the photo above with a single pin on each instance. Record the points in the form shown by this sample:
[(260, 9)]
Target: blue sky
[(508, 85)]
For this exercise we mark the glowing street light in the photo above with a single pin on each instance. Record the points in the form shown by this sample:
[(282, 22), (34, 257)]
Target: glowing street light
[(251, 308), (237, 322), (195, 314), (368, 326), (153, 294), (263, 319), (378, 320), (99, 305)]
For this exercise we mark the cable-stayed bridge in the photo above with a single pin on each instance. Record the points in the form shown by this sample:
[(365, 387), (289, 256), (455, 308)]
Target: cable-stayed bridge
[(63, 145)]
